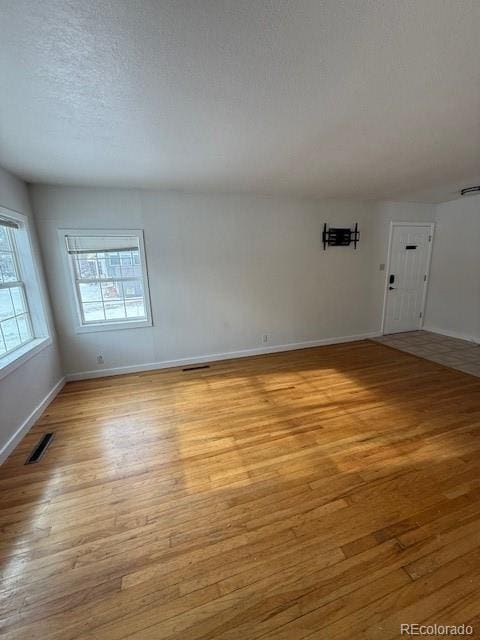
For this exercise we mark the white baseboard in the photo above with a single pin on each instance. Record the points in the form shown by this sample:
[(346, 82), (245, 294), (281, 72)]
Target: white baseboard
[(28, 423), (450, 334), (182, 362)]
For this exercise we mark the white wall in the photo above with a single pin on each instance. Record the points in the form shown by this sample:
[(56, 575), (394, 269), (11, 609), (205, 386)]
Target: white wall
[(453, 303), (224, 270), (23, 390)]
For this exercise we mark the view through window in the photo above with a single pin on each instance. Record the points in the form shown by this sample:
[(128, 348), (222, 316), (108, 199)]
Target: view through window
[(109, 279), (15, 321)]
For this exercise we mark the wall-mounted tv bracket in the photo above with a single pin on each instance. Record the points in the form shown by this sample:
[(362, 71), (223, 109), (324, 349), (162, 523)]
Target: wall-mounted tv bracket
[(338, 237)]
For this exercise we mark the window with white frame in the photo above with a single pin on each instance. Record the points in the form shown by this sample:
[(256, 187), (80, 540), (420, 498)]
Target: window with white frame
[(16, 327), (109, 278), (24, 328)]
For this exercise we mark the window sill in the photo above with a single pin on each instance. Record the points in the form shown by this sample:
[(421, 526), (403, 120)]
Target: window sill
[(15, 359), (113, 326)]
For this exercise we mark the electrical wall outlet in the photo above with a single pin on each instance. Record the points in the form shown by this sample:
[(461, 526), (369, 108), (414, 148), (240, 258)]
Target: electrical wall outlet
[(265, 337), (100, 359)]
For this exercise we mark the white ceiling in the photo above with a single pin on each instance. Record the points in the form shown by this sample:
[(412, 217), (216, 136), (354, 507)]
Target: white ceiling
[(333, 98)]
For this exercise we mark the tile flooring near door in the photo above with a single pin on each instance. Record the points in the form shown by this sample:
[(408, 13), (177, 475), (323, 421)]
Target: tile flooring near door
[(451, 352)]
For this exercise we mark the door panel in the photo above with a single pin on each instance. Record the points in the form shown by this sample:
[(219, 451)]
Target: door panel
[(409, 258)]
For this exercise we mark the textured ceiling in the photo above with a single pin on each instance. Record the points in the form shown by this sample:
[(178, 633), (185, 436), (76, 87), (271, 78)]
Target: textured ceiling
[(334, 98)]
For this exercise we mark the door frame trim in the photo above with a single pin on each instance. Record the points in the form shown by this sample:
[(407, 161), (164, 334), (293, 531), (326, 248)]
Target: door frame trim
[(394, 224)]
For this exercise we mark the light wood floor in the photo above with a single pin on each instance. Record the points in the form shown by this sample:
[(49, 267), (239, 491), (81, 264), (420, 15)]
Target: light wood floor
[(323, 493)]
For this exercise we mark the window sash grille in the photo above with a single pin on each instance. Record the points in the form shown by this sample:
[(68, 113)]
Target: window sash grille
[(21, 331), (124, 260)]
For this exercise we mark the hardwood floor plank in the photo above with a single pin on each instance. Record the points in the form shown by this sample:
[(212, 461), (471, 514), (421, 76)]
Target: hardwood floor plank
[(322, 493)]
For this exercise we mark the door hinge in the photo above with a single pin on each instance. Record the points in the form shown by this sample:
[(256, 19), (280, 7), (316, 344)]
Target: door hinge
[(425, 278), (420, 315)]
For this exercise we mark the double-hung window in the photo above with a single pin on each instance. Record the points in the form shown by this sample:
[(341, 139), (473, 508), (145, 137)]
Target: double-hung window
[(23, 324), (15, 320), (109, 279)]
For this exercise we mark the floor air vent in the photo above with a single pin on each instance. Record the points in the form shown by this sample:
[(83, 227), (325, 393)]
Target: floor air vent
[(40, 449), (198, 366)]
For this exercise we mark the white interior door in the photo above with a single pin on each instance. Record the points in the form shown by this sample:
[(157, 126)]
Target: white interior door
[(407, 277)]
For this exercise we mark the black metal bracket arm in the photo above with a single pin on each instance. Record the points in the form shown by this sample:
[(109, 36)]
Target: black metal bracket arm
[(340, 237)]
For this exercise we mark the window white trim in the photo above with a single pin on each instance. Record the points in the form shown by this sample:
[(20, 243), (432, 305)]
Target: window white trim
[(15, 358), (27, 264), (77, 315)]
